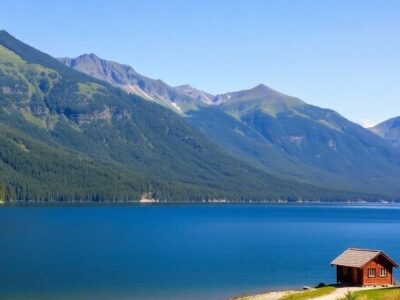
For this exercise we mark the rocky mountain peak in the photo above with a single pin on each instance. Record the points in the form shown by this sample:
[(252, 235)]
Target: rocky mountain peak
[(192, 92)]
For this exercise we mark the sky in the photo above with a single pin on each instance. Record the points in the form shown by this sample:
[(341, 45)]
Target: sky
[(343, 55)]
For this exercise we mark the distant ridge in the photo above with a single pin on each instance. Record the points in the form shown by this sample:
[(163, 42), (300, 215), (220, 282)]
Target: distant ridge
[(195, 94), (389, 130)]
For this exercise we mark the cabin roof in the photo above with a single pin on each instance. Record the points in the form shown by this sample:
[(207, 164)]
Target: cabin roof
[(357, 258)]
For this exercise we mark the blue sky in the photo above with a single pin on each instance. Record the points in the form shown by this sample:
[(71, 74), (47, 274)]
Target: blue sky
[(343, 55)]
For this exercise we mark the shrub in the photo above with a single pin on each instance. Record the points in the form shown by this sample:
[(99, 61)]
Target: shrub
[(348, 296)]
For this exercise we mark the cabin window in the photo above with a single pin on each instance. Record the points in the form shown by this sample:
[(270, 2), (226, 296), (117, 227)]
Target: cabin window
[(371, 272), (383, 272), (345, 270)]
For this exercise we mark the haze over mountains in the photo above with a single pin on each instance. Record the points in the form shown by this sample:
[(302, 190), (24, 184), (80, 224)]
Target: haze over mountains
[(279, 134)]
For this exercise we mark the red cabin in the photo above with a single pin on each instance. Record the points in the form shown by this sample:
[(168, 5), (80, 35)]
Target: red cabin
[(364, 267)]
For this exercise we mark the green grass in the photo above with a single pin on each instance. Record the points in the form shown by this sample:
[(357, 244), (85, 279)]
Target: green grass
[(9, 56), (31, 75), (33, 120), (314, 293), (379, 294), (90, 88)]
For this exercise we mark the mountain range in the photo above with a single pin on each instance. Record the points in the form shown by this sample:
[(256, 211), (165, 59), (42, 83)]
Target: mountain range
[(279, 134), (69, 136), (90, 129)]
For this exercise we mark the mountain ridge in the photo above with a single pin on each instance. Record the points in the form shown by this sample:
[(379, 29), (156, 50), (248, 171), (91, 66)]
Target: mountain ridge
[(126, 78), (152, 89), (194, 93), (289, 138)]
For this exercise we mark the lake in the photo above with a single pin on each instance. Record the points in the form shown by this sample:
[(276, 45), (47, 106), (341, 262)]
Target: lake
[(181, 251)]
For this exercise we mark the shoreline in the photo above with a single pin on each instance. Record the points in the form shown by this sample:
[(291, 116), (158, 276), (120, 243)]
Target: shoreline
[(55, 203)]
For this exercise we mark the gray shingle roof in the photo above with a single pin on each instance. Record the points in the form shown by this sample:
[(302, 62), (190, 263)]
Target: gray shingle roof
[(357, 258)]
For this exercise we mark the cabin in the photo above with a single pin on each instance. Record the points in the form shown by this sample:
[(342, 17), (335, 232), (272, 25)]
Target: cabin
[(364, 267)]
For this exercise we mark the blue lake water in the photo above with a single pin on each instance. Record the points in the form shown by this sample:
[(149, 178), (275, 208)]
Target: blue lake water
[(181, 251)]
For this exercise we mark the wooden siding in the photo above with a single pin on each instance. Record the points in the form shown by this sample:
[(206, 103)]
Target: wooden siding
[(377, 264)]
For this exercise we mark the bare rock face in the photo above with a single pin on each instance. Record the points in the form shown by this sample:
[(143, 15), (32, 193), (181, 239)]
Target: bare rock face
[(195, 93), (126, 78), (104, 115), (96, 67)]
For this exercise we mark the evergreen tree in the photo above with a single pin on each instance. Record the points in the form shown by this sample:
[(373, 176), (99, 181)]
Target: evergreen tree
[(2, 192)]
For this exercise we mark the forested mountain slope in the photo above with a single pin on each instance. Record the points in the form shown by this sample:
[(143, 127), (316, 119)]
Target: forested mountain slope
[(302, 141), (280, 134), (80, 138)]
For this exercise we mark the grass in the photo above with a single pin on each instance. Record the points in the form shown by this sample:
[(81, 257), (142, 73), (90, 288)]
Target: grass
[(302, 295), (15, 68), (89, 89), (309, 294), (9, 56), (379, 294), (33, 120)]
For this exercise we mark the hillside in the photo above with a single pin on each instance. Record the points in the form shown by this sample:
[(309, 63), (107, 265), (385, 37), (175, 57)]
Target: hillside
[(36, 171), (97, 132), (315, 144), (389, 130)]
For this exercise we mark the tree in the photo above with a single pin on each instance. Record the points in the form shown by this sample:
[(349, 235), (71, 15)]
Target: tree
[(2, 192)]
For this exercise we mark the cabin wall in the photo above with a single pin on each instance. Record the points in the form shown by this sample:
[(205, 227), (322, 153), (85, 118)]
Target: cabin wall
[(351, 276), (377, 264)]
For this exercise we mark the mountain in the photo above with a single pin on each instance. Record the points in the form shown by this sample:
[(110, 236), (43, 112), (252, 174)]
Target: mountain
[(121, 76), (195, 94), (126, 78), (291, 139), (296, 140), (68, 136), (389, 130)]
